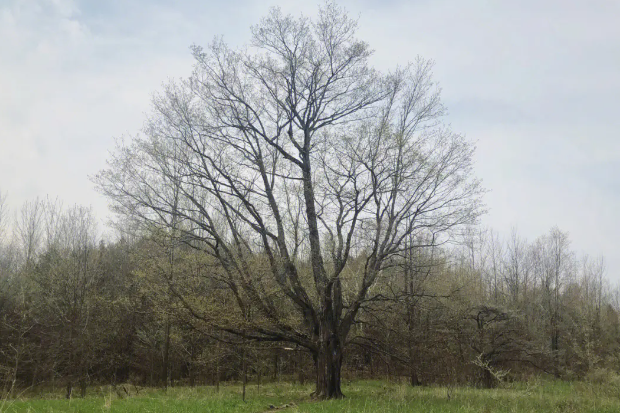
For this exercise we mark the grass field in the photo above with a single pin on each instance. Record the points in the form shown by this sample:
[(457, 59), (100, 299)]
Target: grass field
[(361, 396)]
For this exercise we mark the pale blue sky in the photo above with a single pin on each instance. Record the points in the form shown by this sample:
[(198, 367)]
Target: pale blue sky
[(535, 83)]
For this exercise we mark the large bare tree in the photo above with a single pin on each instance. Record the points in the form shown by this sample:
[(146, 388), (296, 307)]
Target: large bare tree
[(295, 152)]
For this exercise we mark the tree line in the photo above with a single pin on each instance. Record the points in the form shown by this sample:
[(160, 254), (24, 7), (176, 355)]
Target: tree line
[(146, 309), (289, 199)]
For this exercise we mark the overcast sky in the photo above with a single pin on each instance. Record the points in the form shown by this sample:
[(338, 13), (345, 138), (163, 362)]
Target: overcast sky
[(534, 83)]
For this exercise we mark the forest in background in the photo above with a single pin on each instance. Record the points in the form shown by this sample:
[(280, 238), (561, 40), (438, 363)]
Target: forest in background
[(76, 311)]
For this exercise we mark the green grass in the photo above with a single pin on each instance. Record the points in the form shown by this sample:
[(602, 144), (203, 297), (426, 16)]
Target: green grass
[(362, 396)]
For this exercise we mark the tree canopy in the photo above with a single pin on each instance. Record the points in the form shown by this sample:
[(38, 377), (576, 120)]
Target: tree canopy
[(296, 151)]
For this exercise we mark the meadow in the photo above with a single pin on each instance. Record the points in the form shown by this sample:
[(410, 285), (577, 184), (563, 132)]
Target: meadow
[(361, 396)]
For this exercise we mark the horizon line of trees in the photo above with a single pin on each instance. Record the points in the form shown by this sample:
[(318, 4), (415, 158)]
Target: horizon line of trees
[(76, 311)]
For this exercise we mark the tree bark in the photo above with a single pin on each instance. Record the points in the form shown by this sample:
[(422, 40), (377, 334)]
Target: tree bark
[(488, 381), (166, 353), (300, 366), (329, 361), (218, 355), (414, 381), (244, 371), (275, 371), (83, 386), (69, 388)]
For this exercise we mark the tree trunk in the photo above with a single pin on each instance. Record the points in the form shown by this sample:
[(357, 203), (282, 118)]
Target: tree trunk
[(414, 381), (275, 371), (410, 320), (329, 362), (219, 354), (300, 366), (259, 370), (69, 388), (488, 380), (83, 386), (555, 352), (244, 372), (166, 353)]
